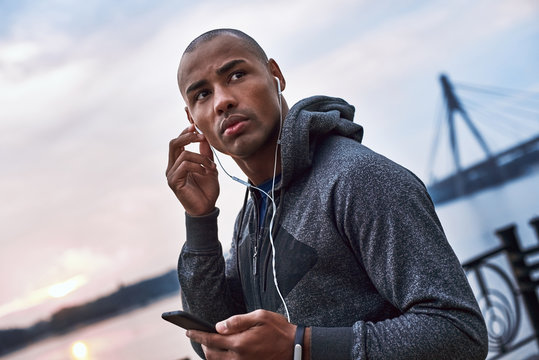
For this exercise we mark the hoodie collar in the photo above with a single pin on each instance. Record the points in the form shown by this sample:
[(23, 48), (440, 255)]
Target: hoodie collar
[(308, 122)]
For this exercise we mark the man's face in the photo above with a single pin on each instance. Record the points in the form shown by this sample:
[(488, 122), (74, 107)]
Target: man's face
[(231, 95)]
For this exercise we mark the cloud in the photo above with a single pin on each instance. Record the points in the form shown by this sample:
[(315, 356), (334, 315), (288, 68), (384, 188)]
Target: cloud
[(401, 47), (389, 71)]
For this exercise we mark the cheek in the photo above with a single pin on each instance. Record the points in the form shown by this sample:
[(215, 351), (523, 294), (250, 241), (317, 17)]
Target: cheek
[(201, 121), (268, 101)]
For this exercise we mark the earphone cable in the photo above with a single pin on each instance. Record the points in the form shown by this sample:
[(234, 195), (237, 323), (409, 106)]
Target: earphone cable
[(271, 197), (274, 205)]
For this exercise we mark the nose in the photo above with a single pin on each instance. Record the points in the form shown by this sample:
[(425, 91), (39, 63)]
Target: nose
[(224, 100)]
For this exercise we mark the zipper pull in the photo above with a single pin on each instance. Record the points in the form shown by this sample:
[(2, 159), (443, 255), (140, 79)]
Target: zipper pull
[(254, 260)]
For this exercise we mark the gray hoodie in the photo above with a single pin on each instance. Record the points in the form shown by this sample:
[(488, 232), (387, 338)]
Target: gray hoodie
[(361, 256)]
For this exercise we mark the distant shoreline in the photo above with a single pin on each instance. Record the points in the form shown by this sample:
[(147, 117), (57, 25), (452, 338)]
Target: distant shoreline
[(125, 299)]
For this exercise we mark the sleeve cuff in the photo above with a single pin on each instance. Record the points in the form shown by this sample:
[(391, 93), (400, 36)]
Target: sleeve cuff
[(202, 233), (331, 343)]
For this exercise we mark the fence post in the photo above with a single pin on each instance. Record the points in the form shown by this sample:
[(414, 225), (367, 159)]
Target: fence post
[(535, 224), (522, 272)]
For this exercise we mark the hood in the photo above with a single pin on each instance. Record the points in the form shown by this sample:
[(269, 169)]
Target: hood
[(308, 122)]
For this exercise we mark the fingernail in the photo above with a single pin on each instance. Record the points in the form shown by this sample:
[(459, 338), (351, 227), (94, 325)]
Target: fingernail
[(221, 326), (188, 333)]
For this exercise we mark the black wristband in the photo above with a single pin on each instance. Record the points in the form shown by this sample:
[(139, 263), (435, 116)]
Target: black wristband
[(298, 342)]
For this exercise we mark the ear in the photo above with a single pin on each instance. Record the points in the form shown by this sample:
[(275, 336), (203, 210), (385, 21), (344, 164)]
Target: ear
[(189, 117), (276, 71)]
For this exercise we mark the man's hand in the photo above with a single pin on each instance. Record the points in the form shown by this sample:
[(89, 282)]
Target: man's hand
[(260, 334), (192, 176)]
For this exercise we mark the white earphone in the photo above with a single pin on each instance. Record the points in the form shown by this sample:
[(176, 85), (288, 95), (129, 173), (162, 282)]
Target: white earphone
[(278, 85)]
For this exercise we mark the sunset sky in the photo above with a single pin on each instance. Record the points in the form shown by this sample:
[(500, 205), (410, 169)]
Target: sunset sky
[(89, 102)]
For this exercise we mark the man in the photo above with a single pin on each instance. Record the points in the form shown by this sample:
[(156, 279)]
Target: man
[(360, 258)]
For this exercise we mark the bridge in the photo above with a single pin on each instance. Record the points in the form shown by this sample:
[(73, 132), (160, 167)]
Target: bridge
[(496, 168)]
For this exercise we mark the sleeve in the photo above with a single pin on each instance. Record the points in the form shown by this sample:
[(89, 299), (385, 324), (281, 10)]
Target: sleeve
[(210, 288), (389, 220)]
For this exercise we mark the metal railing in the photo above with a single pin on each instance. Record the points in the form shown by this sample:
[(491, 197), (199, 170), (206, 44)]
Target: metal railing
[(505, 289)]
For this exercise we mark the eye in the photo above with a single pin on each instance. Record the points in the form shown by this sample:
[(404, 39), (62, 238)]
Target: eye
[(201, 95), (237, 75)]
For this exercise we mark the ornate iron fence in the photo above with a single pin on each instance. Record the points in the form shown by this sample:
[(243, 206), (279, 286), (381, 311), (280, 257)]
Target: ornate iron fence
[(505, 289)]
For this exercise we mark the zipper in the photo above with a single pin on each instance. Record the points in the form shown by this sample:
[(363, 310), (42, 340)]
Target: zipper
[(259, 278), (275, 230), (257, 235), (255, 254), (255, 276)]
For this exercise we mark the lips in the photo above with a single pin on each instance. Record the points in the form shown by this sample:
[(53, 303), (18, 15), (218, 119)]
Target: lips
[(231, 121)]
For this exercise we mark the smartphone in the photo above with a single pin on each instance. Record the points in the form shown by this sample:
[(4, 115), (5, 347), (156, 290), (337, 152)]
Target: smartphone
[(188, 321)]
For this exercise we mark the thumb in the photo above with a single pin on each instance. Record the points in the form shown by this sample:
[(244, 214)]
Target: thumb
[(236, 324)]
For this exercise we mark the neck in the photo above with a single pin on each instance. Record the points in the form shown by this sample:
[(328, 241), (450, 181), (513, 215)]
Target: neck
[(263, 167)]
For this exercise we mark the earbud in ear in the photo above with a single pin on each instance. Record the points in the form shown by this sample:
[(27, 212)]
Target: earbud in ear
[(197, 129), (278, 85)]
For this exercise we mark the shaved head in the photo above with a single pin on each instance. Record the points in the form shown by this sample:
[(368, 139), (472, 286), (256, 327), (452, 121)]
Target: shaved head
[(249, 42)]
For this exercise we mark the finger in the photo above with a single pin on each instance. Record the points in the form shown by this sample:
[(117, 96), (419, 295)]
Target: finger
[(179, 175), (218, 354), (205, 149), (177, 178), (190, 129), (173, 152), (178, 154), (177, 145), (215, 342), (194, 162), (214, 353)]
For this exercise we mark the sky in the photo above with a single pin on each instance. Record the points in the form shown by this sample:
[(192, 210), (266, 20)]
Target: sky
[(89, 102)]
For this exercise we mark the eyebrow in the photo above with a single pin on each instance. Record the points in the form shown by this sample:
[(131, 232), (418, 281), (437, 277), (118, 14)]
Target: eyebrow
[(220, 71), (196, 85), (229, 66)]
